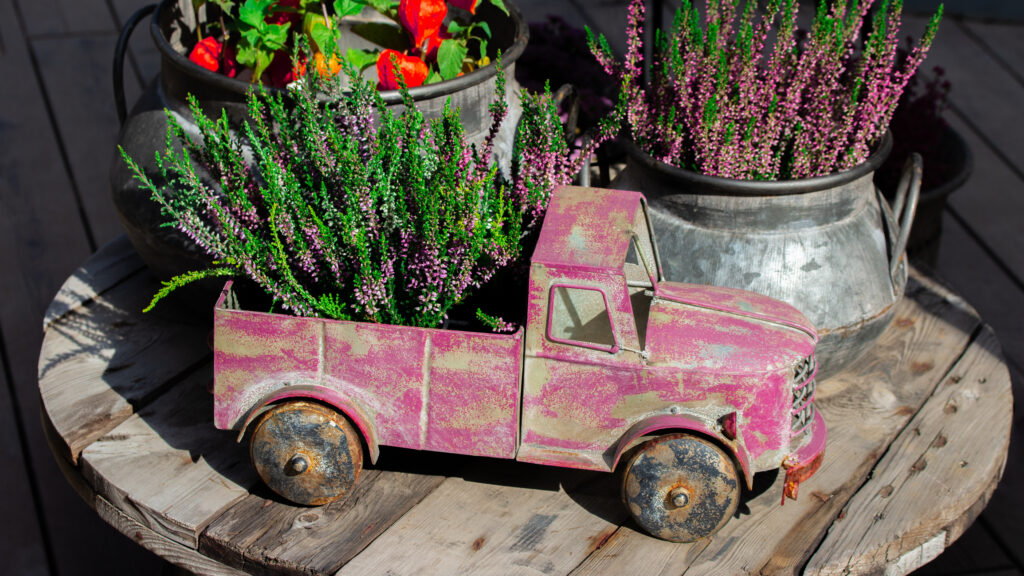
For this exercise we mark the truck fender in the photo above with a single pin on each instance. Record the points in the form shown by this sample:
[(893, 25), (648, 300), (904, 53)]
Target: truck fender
[(332, 398), (686, 421)]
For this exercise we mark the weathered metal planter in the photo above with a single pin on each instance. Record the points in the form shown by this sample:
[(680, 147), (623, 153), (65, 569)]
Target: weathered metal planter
[(830, 246), (688, 390), (166, 251)]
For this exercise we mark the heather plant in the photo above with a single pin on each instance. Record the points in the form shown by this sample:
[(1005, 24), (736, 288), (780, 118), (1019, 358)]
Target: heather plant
[(351, 211), (738, 95)]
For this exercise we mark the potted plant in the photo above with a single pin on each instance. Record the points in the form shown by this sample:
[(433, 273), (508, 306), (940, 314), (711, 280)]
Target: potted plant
[(353, 210), (175, 32), (756, 143), (918, 125)]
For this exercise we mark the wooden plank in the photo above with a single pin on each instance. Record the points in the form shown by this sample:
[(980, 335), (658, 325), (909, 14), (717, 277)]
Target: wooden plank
[(864, 408), (65, 16), (76, 73), (109, 266), (1005, 513), (168, 467), (973, 274), (261, 532), (173, 552), (42, 241), (503, 521), (1003, 38), (975, 551), (988, 201), (21, 537), (982, 87), (952, 452), (101, 364)]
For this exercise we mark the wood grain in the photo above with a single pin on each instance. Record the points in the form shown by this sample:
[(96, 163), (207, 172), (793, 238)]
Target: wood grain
[(101, 364), (894, 518), (173, 552), (983, 88), (21, 541), (42, 241), (76, 73), (261, 534), (990, 198), (65, 16), (467, 526), (114, 263), (167, 467), (1002, 38)]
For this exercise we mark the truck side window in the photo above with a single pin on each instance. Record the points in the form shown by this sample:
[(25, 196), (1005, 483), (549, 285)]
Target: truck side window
[(580, 316)]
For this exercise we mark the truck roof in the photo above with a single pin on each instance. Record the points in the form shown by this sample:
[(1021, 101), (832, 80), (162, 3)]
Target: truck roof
[(589, 227)]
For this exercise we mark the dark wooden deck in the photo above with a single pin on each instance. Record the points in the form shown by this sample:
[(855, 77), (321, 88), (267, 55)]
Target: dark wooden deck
[(58, 128)]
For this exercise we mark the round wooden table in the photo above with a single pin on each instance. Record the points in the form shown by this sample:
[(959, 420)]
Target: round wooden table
[(918, 435)]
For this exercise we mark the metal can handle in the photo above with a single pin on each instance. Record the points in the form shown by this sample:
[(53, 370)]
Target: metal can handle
[(119, 51), (905, 205)]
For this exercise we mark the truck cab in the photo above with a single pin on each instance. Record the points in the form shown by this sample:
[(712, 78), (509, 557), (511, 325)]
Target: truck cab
[(617, 357)]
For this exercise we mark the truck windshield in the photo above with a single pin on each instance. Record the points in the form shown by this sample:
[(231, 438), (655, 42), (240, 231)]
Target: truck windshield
[(639, 267)]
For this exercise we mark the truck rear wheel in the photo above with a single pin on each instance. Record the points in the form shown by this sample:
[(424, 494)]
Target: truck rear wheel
[(680, 487), (306, 452)]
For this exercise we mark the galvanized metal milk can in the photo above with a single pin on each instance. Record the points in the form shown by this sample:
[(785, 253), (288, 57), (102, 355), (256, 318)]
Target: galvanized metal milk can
[(830, 246)]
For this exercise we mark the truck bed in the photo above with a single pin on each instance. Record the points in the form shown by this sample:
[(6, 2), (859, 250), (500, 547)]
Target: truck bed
[(421, 388)]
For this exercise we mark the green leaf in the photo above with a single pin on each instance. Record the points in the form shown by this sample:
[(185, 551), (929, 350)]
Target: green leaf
[(433, 78), (454, 28), (323, 37), (254, 11), (449, 58), (344, 8), (275, 36), (383, 6), (500, 5), (361, 59), (483, 47), (485, 27)]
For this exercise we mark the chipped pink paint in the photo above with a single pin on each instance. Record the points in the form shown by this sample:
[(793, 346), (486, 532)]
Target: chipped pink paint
[(684, 356)]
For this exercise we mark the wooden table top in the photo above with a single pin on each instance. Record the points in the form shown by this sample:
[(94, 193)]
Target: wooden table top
[(918, 436)]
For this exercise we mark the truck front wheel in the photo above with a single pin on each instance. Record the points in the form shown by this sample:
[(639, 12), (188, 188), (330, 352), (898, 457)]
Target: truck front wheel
[(681, 487), (306, 452)]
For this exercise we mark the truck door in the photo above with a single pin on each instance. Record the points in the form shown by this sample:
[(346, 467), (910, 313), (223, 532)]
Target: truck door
[(582, 361)]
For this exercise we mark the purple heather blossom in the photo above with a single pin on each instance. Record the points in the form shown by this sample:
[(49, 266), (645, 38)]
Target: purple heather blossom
[(724, 102)]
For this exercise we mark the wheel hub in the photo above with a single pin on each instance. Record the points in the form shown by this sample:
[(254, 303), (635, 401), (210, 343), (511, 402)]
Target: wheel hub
[(679, 497)]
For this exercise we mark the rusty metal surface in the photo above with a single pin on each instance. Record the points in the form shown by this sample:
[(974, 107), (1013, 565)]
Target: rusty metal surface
[(681, 488), (306, 452), (426, 389)]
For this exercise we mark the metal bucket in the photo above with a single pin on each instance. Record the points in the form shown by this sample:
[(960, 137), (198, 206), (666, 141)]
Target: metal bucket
[(830, 246), (168, 252)]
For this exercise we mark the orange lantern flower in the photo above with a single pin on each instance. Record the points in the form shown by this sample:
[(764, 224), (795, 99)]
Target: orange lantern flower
[(422, 18), (412, 69)]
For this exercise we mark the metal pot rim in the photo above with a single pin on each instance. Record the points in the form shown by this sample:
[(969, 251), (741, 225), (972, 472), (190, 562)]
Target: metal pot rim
[(734, 187), (189, 68)]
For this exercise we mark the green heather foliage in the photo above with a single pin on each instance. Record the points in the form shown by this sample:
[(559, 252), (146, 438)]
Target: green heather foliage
[(350, 211)]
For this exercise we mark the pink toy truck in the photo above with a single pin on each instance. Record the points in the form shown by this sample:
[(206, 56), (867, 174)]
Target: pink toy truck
[(689, 390)]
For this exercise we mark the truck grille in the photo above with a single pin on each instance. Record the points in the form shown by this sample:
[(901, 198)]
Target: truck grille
[(803, 394)]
